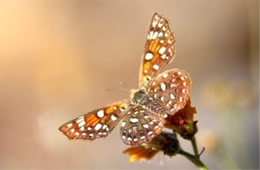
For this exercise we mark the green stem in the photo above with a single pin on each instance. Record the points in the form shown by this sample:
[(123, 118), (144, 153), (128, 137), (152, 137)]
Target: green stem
[(195, 148), (194, 159)]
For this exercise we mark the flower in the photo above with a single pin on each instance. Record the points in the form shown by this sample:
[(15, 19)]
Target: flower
[(182, 121), (140, 153), (165, 142)]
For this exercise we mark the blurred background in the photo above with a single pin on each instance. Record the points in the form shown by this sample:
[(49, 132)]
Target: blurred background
[(57, 58)]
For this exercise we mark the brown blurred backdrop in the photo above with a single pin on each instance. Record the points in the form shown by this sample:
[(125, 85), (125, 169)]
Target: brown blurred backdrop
[(57, 58)]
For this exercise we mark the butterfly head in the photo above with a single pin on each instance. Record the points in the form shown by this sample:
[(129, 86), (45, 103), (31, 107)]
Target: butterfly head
[(138, 96)]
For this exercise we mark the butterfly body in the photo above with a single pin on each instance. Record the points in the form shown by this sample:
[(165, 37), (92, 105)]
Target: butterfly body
[(138, 96), (143, 115)]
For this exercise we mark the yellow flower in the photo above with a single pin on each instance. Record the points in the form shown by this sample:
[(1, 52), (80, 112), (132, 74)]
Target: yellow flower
[(140, 153)]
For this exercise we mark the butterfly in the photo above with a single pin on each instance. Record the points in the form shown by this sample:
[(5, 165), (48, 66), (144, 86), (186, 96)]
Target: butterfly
[(141, 117)]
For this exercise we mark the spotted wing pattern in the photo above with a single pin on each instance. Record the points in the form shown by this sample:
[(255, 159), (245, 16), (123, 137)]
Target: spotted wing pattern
[(96, 124), (140, 126), (171, 90), (159, 50), (167, 93)]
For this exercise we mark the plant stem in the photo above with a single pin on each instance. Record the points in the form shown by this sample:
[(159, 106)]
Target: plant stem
[(195, 148), (194, 159)]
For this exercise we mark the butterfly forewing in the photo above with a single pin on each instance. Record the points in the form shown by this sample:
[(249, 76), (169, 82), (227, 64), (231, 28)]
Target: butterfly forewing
[(96, 124), (140, 126), (159, 50), (171, 90)]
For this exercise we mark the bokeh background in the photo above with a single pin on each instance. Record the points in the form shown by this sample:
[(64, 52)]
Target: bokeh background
[(57, 58)]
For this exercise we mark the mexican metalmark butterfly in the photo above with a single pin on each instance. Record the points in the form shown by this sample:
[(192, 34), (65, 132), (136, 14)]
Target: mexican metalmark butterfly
[(143, 115)]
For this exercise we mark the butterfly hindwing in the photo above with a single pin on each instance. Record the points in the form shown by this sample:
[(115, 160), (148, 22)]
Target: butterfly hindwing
[(140, 126), (159, 50), (96, 124), (171, 90)]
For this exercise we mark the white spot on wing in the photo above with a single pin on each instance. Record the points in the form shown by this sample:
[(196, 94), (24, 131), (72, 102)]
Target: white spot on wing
[(172, 85), (69, 125), (172, 96), (123, 124), (150, 35), (154, 23), (156, 67), (148, 56), (104, 127), (81, 118), (163, 56), (162, 99), (165, 75), (113, 117), (81, 123), (162, 50), (155, 35), (170, 51), (82, 128), (98, 126), (164, 28), (145, 126), (163, 86), (134, 120), (100, 113)]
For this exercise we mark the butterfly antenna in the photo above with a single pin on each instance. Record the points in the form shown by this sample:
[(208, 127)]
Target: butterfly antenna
[(124, 85), (124, 88)]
